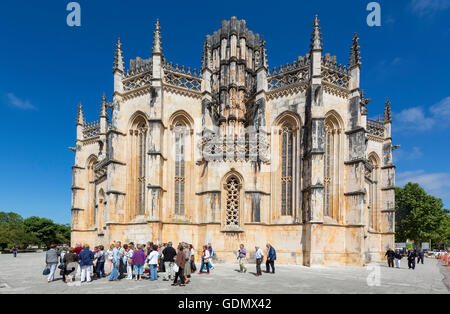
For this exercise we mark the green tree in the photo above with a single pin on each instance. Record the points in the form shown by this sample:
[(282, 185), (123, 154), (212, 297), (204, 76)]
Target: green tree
[(44, 230), (419, 216), (12, 231), (63, 234)]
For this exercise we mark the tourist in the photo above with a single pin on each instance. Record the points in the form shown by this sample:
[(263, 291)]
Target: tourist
[(86, 258), (242, 257), (420, 256), (129, 257), (187, 266), (121, 264), (205, 260), (138, 261), (116, 263), (211, 254), (14, 251), (125, 258), (149, 248), (70, 261), (95, 262), (51, 260), (61, 260), (78, 248), (152, 260), (271, 257), (390, 254), (180, 261), (100, 267), (192, 258), (109, 258), (412, 259), (259, 258), (160, 259), (169, 254), (397, 257)]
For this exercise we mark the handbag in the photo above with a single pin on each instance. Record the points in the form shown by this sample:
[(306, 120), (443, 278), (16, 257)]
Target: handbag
[(147, 266), (46, 271), (176, 268)]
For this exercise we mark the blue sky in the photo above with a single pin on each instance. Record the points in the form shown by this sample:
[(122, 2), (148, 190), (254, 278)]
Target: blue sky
[(47, 68)]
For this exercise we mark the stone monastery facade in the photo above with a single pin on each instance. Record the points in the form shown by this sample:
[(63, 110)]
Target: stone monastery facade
[(238, 153)]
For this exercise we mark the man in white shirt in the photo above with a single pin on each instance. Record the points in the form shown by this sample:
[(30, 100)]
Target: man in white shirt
[(259, 258)]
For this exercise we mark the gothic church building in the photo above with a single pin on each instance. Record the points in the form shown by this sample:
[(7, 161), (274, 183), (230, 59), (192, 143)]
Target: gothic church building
[(237, 153)]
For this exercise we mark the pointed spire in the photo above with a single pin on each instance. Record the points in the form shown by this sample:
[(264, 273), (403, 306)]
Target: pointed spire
[(118, 58), (80, 116), (316, 39), (355, 57), (103, 112), (263, 52), (157, 44), (387, 112)]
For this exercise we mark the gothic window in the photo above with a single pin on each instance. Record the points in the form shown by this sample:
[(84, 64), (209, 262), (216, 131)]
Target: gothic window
[(286, 170), (90, 168), (233, 187), (329, 141), (137, 166), (142, 134), (331, 166), (373, 200), (180, 178), (256, 207)]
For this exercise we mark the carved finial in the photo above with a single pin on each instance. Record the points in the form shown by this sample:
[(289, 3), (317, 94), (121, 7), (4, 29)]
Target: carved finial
[(80, 116), (157, 44), (263, 52), (316, 39), (355, 57), (103, 112), (118, 58), (364, 102), (387, 112)]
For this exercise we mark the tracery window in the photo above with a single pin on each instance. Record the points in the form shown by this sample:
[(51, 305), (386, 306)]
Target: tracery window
[(328, 180), (233, 187), (142, 134), (137, 167), (90, 168), (331, 167), (180, 157), (373, 199), (287, 158)]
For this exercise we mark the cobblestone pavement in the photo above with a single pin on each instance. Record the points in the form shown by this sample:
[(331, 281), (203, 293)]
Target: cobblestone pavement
[(24, 275)]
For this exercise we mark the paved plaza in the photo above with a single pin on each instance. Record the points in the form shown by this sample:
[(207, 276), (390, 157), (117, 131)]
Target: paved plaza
[(24, 275)]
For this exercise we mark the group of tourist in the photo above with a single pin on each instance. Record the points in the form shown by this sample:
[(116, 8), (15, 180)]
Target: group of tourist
[(127, 261), (259, 256), (130, 261), (395, 256)]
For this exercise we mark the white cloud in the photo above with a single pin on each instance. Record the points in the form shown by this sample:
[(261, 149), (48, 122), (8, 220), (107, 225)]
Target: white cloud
[(442, 108), (417, 119), (436, 184), (428, 7), (16, 102), (413, 119)]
